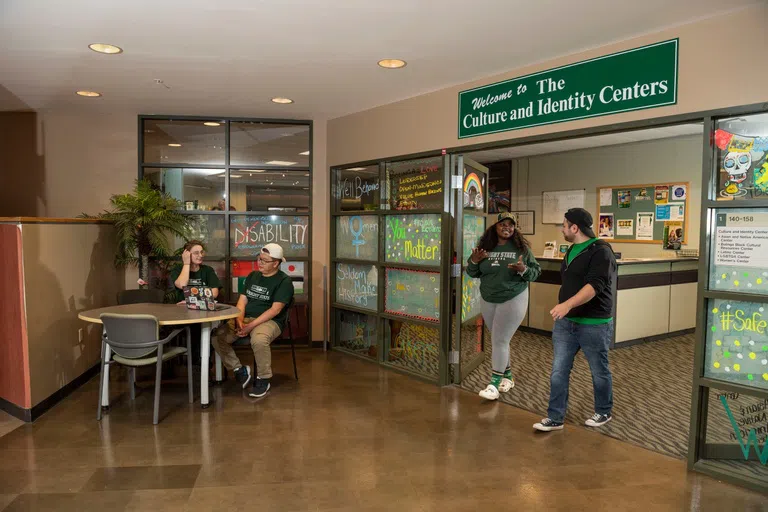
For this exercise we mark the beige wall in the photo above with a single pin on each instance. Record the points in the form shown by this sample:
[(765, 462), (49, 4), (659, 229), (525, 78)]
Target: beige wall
[(321, 219), (429, 122), (68, 268), (657, 161)]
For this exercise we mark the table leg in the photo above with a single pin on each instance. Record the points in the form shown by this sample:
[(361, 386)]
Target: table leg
[(219, 372), (105, 376), (205, 356)]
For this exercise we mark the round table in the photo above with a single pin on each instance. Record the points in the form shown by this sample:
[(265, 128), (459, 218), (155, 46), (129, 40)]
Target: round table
[(168, 314)]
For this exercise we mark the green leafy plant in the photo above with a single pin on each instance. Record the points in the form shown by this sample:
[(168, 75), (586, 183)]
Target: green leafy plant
[(145, 221)]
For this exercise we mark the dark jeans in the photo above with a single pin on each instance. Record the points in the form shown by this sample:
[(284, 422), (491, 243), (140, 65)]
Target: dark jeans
[(568, 338)]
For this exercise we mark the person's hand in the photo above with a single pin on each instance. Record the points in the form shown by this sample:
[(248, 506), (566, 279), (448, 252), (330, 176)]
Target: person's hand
[(181, 303), (558, 312), (478, 255), (246, 329), (186, 257), (239, 323), (518, 266)]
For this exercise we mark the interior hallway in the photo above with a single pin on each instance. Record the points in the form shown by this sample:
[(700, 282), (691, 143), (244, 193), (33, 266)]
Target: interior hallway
[(348, 437)]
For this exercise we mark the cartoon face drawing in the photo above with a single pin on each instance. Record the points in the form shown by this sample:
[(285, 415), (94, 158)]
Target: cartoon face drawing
[(737, 165)]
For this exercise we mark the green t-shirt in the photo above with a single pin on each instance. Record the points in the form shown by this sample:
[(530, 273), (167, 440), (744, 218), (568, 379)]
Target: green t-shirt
[(499, 283), (575, 251), (205, 276), (262, 292)]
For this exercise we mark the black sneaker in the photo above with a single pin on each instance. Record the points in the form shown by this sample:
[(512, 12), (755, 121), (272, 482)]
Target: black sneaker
[(548, 425), (243, 375), (259, 388), (598, 420)]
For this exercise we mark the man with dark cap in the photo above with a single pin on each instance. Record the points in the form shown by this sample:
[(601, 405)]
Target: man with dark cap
[(583, 320)]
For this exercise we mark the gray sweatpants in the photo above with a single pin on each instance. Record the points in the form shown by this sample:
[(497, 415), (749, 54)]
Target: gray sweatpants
[(503, 320)]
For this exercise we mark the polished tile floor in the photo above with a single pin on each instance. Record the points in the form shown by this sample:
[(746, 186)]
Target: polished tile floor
[(348, 437)]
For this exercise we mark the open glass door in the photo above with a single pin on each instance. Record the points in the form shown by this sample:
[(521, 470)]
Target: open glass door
[(471, 210)]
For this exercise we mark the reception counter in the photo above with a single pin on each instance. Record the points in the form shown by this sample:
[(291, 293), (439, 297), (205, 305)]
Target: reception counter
[(655, 298)]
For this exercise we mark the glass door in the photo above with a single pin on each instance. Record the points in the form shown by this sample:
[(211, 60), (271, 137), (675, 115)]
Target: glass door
[(471, 201)]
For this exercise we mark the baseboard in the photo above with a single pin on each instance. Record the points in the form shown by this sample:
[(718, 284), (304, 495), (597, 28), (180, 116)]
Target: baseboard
[(30, 415), (533, 330), (15, 411), (638, 341)]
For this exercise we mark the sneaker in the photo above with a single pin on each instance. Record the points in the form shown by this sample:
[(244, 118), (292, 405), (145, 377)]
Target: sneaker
[(243, 375), (548, 425), (506, 385), (490, 393), (598, 420), (260, 388)]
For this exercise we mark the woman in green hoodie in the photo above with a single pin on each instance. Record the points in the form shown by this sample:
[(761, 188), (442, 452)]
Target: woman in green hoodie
[(504, 262)]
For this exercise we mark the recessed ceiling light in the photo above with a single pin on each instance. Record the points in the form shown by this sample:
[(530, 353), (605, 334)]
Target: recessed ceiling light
[(259, 170), (306, 174), (282, 101), (392, 63), (89, 94), (174, 145), (105, 48), (235, 176), (305, 153), (211, 123), (280, 162), (355, 169)]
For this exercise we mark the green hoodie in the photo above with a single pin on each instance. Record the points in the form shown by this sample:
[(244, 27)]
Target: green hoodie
[(498, 283)]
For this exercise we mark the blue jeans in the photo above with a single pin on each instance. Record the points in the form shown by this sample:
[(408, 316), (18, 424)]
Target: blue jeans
[(568, 338)]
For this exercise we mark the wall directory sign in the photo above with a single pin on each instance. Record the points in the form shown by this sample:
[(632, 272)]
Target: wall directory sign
[(249, 233), (635, 79), (412, 293), (740, 251), (413, 239), (357, 285), (357, 237)]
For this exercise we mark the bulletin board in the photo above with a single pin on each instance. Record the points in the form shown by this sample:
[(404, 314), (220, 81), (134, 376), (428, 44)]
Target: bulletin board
[(667, 202), (556, 203)]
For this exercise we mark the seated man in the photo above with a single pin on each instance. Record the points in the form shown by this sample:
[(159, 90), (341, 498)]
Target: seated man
[(263, 311)]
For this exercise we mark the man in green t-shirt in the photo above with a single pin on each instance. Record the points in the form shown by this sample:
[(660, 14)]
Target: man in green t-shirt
[(263, 309)]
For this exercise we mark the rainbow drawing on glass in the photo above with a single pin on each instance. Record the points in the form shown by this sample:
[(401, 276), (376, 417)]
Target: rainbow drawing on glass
[(743, 165), (737, 343), (752, 440), (473, 192)]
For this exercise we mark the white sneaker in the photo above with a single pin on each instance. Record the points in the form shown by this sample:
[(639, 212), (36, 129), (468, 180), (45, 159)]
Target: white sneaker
[(490, 393), (506, 385)]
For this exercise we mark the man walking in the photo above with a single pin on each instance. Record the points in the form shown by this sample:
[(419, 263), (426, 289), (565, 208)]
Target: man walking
[(583, 320)]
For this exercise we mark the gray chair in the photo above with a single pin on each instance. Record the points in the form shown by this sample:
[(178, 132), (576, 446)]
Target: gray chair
[(149, 295), (134, 342)]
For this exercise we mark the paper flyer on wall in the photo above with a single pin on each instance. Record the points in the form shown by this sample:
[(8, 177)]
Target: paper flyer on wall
[(673, 235), (606, 197), (644, 226), (624, 198), (676, 211), (550, 249), (662, 212), (606, 226), (625, 227), (679, 193), (662, 194)]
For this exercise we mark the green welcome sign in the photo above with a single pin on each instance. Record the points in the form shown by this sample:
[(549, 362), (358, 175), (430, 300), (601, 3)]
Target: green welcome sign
[(631, 80)]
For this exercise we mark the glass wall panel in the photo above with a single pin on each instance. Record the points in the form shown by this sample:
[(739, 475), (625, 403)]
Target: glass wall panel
[(413, 239), (741, 157), (357, 333), (411, 346), (412, 293), (357, 285), (737, 342), (209, 229), (189, 142), (416, 184), (357, 189), (264, 190), (197, 189), (357, 237), (249, 233), (739, 259), (269, 144)]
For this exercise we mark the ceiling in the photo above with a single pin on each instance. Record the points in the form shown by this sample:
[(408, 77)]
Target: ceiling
[(228, 58), (611, 139)]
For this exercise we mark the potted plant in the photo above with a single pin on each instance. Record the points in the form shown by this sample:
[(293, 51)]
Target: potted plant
[(145, 220)]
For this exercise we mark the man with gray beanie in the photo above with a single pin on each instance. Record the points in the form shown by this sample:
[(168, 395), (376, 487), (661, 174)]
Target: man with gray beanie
[(583, 320)]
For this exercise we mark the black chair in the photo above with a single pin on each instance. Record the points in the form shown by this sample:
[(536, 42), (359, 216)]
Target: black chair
[(149, 295), (245, 342)]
